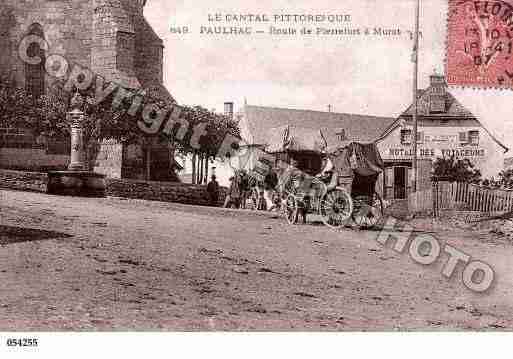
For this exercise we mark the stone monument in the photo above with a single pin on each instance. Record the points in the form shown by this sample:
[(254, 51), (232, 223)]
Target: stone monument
[(77, 180)]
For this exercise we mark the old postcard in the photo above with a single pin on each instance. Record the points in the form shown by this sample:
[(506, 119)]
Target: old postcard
[(230, 166)]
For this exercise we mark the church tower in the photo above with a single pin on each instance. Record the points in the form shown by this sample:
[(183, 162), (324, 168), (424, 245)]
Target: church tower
[(7, 24), (113, 46), (111, 37)]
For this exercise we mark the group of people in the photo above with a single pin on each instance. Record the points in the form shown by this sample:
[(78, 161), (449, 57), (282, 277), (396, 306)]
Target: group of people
[(245, 191)]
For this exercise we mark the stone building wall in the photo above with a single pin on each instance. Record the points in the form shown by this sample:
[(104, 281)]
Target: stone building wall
[(7, 23), (111, 37), (67, 28), (33, 159), (109, 159)]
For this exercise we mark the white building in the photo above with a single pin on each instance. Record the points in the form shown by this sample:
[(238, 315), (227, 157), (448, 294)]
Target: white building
[(445, 128)]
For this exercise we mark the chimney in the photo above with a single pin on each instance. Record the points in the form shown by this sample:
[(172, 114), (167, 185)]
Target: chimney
[(228, 109), (437, 94), (437, 80)]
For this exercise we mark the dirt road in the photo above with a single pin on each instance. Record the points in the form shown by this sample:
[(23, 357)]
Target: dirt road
[(112, 264)]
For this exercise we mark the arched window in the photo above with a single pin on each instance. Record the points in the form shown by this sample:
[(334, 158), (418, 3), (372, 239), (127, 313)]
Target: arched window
[(35, 74)]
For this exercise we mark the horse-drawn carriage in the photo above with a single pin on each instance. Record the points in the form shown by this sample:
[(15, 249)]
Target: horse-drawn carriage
[(340, 194)]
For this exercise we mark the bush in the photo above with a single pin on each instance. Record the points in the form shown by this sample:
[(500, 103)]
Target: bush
[(456, 170)]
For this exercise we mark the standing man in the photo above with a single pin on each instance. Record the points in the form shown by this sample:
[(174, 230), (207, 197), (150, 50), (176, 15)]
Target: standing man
[(213, 191), (245, 189), (270, 184), (233, 198)]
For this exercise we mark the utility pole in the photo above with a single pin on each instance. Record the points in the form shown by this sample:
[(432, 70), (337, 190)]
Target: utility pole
[(415, 60)]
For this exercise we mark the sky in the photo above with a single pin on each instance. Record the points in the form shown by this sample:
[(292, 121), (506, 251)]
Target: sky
[(354, 74)]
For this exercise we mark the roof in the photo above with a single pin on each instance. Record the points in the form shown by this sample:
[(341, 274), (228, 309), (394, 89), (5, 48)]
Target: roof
[(358, 128), (437, 93), (453, 108)]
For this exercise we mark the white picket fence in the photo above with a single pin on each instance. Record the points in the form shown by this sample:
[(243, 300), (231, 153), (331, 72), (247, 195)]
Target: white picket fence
[(463, 196)]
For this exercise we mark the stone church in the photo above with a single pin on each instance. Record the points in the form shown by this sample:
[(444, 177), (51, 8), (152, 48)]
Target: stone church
[(114, 40)]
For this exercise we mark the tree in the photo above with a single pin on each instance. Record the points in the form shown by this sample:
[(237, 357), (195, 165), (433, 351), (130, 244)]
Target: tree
[(217, 128), (456, 170), (102, 121), (47, 116), (17, 108), (506, 179)]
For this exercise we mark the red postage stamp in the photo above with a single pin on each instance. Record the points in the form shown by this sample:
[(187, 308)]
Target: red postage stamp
[(480, 43)]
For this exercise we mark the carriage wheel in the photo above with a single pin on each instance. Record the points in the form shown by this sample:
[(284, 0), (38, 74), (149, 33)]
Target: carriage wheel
[(336, 208), (291, 210), (368, 211)]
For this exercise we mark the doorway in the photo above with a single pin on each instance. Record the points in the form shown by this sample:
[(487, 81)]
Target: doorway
[(400, 174)]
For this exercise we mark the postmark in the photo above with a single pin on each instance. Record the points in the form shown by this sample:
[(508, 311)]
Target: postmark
[(480, 43)]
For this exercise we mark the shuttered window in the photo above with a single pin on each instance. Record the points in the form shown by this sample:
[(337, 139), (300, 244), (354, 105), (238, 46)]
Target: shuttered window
[(473, 137), (390, 177), (470, 137), (406, 137)]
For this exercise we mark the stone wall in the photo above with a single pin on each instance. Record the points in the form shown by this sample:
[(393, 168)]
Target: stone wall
[(7, 23), (161, 191), (67, 28), (153, 191), (467, 217), (109, 159), (31, 159), (23, 181), (111, 37)]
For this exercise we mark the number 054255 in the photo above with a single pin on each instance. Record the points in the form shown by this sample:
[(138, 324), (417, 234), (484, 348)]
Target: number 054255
[(24, 342)]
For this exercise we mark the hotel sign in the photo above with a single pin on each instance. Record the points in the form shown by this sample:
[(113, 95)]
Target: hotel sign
[(433, 153), (441, 138)]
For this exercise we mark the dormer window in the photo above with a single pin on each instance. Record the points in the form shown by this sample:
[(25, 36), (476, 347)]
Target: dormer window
[(406, 137), (437, 103), (463, 138)]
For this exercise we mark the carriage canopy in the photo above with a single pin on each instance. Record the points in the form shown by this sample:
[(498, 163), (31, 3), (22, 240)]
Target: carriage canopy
[(295, 139), (359, 159)]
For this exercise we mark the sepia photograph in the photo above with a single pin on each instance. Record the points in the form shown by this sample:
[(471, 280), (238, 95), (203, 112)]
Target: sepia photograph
[(254, 168)]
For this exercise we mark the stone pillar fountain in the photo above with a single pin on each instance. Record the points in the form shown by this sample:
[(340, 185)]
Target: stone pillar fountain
[(76, 118), (77, 180)]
